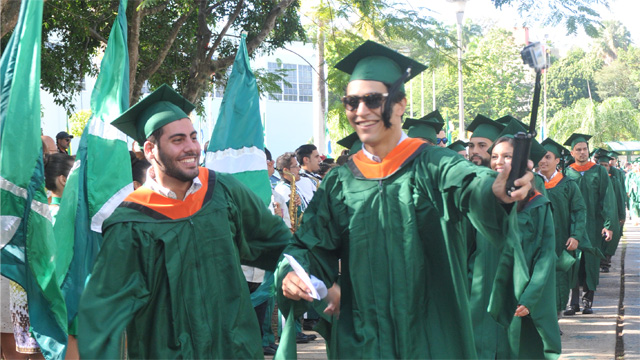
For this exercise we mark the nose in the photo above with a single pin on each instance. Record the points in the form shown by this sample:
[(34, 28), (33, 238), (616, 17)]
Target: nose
[(362, 108)]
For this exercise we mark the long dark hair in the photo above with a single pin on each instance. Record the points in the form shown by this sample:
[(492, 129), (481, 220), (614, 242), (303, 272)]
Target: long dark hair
[(55, 165)]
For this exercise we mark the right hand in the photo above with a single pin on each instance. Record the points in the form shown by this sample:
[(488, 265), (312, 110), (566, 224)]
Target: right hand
[(294, 288), (297, 200), (572, 244)]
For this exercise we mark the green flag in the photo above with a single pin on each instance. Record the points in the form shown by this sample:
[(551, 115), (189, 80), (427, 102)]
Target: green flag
[(237, 142), (28, 246), (101, 177)]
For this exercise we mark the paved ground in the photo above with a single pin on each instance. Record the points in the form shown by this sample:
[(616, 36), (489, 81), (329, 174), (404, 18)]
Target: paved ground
[(587, 336)]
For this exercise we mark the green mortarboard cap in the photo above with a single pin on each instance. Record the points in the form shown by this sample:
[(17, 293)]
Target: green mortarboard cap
[(427, 127), (484, 127), (351, 142), (554, 147), (604, 158), (565, 261), (613, 154), (537, 152), (161, 107), (505, 120), (372, 61), (458, 145), (576, 138), (515, 126), (596, 152)]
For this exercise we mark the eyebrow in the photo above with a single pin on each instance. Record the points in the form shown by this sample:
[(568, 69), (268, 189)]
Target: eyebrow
[(182, 134)]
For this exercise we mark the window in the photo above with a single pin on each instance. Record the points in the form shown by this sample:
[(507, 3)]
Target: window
[(299, 79)]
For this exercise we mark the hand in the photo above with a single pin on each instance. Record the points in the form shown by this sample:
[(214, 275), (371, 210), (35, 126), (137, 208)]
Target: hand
[(572, 244), (500, 185), (297, 200), (277, 209), (333, 298), (608, 234), (622, 221), (521, 311), (294, 288)]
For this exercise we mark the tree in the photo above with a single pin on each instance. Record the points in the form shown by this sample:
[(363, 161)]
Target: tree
[(574, 14), (188, 43), (614, 80), (615, 119), (571, 79), (612, 38)]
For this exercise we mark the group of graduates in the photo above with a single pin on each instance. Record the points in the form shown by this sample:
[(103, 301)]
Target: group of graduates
[(408, 250)]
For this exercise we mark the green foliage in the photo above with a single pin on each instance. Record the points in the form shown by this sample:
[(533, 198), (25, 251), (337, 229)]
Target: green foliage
[(78, 121), (574, 14), (615, 119)]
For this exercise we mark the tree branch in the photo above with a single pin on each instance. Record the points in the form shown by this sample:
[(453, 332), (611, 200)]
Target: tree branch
[(224, 30), (154, 10), (94, 34), (269, 24), (9, 15)]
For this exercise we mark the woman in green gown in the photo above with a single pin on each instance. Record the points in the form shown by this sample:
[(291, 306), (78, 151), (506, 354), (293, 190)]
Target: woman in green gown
[(534, 331)]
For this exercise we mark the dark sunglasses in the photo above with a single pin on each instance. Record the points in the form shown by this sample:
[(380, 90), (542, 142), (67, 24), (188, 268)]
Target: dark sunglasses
[(372, 101), (443, 140)]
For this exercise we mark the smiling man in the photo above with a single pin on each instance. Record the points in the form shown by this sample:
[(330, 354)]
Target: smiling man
[(392, 216), (485, 132), (169, 269)]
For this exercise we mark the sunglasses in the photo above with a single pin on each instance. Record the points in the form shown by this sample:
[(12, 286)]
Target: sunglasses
[(443, 140), (372, 101)]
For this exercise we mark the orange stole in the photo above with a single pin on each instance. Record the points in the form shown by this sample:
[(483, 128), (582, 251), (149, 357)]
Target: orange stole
[(392, 162), (581, 168), (172, 208), (553, 182)]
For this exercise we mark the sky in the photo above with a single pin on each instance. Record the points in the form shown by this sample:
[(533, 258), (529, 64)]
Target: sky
[(507, 17)]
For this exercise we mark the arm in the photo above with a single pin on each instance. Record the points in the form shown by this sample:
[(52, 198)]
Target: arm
[(544, 261), (578, 215), (114, 293), (259, 235), (607, 201)]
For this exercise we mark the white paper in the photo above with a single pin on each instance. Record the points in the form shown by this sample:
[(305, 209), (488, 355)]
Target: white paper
[(303, 276)]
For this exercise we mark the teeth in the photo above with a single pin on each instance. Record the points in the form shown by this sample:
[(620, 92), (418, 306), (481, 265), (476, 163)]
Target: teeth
[(188, 160), (366, 123)]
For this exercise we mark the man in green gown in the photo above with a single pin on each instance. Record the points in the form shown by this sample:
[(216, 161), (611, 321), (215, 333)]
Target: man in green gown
[(392, 215), (607, 159), (569, 218), (485, 132), (595, 186), (167, 282)]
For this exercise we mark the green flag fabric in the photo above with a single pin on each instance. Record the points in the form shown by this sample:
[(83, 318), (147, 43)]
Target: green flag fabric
[(101, 176), (237, 142), (28, 247)]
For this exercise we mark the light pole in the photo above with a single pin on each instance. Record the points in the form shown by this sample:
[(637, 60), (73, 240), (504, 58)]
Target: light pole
[(459, 6)]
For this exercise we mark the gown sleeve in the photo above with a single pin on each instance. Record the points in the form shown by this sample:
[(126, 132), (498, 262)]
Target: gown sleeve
[(259, 235), (544, 260), (578, 210), (608, 201), (114, 293)]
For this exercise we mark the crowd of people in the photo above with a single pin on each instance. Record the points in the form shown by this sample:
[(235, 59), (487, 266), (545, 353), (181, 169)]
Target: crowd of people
[(405, 246)]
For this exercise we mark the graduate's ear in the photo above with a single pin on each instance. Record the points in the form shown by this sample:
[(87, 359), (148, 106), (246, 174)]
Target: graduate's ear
[(62, 181), (400, 107), (148, 148)]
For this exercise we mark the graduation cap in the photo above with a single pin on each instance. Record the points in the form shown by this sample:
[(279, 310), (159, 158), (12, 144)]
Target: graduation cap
[(604, 158), (458, 145), (558, 150), (613, 154), (351, 142), (482, 126), (505, 120), (537, 151), (576, 138), (427, 127), (372, 61), (159, 108)]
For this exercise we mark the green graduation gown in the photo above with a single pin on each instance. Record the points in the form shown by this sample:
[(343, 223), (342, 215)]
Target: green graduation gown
[(398, 234), (538, 334), (599, 198), (617, 183), (569, 219), (176, 285)]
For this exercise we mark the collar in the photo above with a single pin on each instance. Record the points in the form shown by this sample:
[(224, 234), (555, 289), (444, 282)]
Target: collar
[(309, 174), (55, 200), (582, 168), (549, 179), (377, 158), (363, 167), (555, 180), (152, 184)]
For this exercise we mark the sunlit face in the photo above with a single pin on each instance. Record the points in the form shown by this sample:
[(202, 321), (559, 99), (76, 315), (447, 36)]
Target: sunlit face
[(441, 136), (271, 167), (367, 122), (294, 168), (580, 152), (176, 154), (312, 162), (606, 165), (501, 155), (479, 150), (549, 163)]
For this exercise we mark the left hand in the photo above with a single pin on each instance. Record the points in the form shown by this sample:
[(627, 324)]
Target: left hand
[(521, 311), (333, 299), (608, 234), (500, 185), (572, 244)]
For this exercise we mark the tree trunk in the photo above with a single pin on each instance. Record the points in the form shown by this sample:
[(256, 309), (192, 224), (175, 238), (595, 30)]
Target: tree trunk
[(319, 123), (9, 12), (134, 19)]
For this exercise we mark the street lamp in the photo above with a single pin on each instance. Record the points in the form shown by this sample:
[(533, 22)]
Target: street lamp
[(459, 7)]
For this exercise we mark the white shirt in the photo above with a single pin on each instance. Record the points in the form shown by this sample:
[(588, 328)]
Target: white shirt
[(377, 159), (152, 184), (549, 179)]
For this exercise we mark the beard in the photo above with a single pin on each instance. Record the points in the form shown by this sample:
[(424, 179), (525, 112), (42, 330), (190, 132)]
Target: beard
[(171, 167), (480, 161)]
